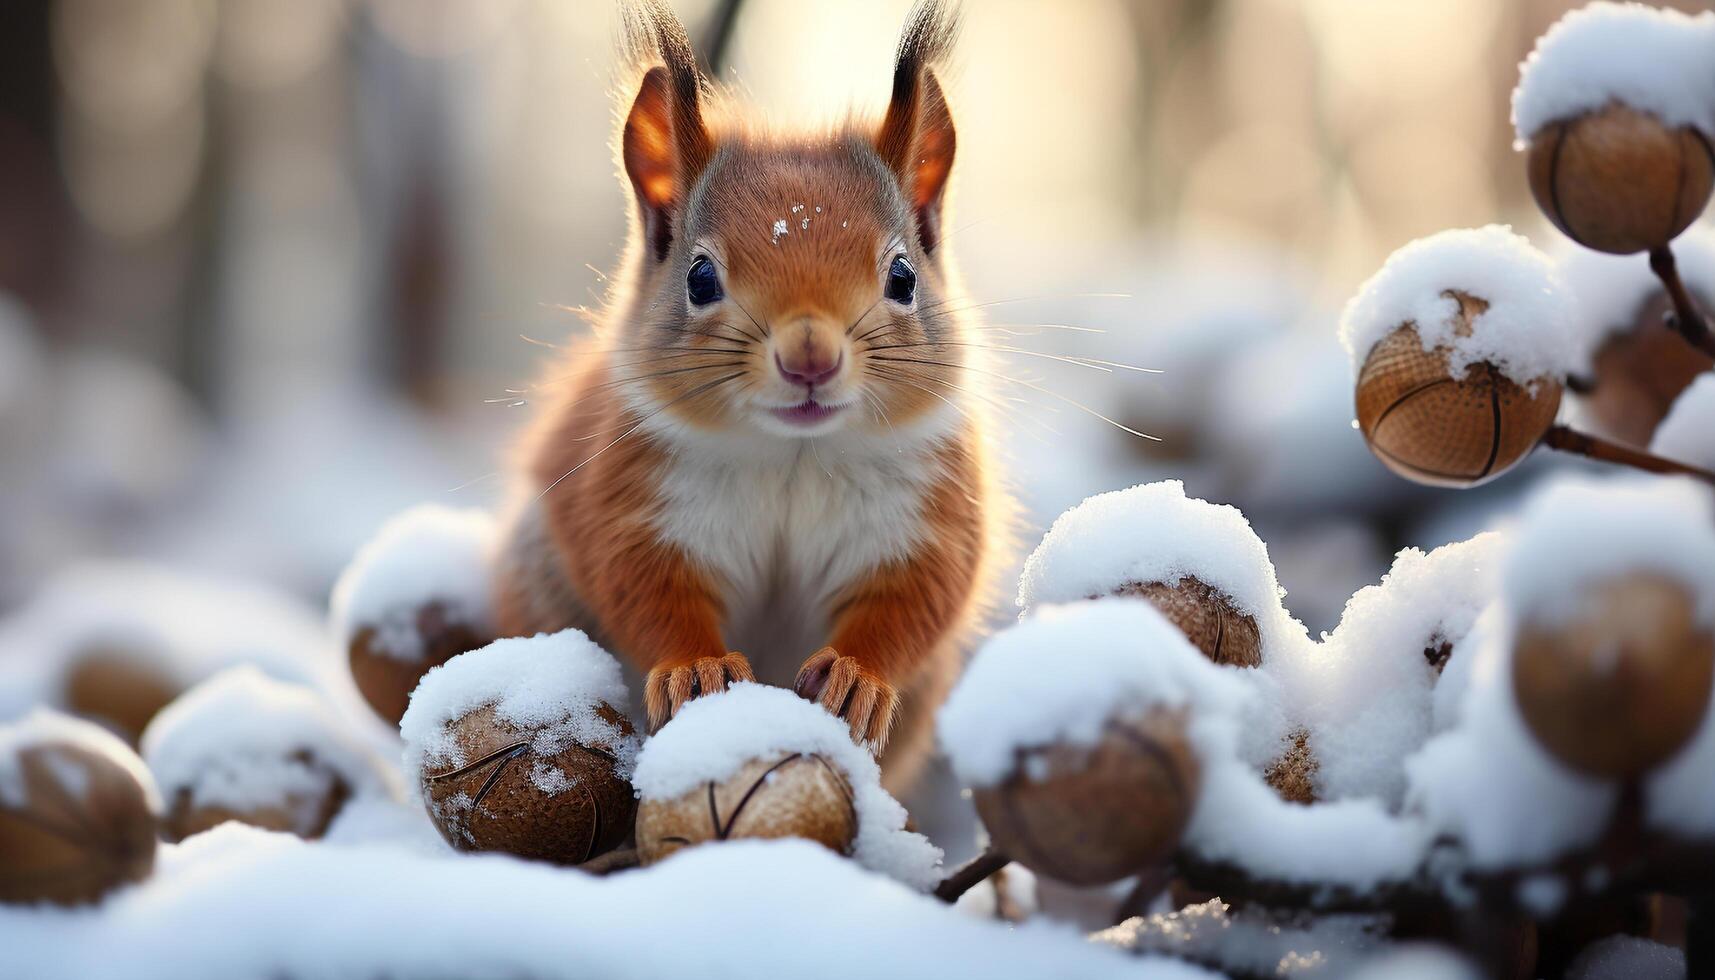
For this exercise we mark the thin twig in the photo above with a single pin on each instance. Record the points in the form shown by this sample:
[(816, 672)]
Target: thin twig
[(968, 875), (1583, 444), (1685, 319)]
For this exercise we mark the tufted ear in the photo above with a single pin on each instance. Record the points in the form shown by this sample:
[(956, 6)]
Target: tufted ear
[(665, 145), (916, 138)]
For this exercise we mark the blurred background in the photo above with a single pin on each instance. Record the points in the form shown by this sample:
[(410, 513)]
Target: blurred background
[(268, 267)]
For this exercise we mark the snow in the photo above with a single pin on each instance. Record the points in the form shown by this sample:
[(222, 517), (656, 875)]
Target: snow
[(244, 741), (1608, 291), (1416, 962), (1580, 531), (1250, 942), (429, 553), (1375, 706), (1524, 332), (550, 683), (1155, 533), (1627, 958), (1059, 675), (1650, 59), (216, 905), (1688, 432), (44, 726), (188, 625), (1485, 780), (714, 736)]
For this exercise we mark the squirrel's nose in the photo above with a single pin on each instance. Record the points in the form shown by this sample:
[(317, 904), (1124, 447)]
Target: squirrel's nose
[(809, 367)]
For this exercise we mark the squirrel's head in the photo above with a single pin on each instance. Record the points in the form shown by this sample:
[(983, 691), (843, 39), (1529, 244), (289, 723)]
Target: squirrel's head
[(794, 284)]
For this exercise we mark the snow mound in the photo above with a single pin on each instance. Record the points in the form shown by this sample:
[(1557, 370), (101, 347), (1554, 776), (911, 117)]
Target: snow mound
[(188, 626), (713, 737), (244, 741), (1155, 533), (1609, 291), (1688, 432), (428, 553), (1576, 532), (1376, 706), (1523, 332), (1654, 60), (1627, 958), (551, 683), (216, 904), (44, 726), (1061, 675)]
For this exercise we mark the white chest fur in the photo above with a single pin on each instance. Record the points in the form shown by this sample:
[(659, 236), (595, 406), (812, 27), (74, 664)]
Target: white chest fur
[(788, 528)]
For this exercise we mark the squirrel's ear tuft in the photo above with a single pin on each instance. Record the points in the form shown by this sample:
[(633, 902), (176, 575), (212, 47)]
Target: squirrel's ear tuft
[(916, 137), (664, 144)]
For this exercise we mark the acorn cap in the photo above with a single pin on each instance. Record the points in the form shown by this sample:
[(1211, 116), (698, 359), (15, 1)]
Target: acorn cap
[(566, 806), (386, 681), (799, 794), (1207, 618), (1089, 815), (304, 812), (1623, 684), (125, 689), (1619, 180), (1433, 428), (83, 827)]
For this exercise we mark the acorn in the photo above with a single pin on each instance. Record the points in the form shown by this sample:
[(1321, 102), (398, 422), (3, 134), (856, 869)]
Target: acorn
[(121, 688), (303, 811), (1207, 618), (1431, 427), (1620, 180), (1622, 684), (1292, 774), (386, 672), (1091, 815), (1639, 373), (535, 793), (77, 813), (799, 794)]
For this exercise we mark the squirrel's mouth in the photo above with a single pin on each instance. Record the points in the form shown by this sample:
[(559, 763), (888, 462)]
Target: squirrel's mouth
[(807, 412)]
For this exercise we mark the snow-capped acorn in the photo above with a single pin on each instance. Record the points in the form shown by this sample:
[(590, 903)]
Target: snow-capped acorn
[(565, 805), (1089, 815), (1207, 618), (118, 686), (243, 746), (799, 794), (1620, 180), (518, 747), (77, 811), (414, 597), (1433, 426), (1623, 683)]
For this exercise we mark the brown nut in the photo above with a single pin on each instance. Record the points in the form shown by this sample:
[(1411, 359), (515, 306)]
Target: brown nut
[(1619, 180), (306, 813), (566, 806), (1623, 684), (1096, 814), (800, 795), (385, 679), (81, 826), (123, 688), (1432, 428), (1206, 617)]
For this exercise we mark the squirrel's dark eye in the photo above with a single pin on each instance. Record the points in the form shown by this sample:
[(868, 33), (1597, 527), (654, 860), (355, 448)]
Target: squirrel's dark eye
[(702, 283), (901, 281)]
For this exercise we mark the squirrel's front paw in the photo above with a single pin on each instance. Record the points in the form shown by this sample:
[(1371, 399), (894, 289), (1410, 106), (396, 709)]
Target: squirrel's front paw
[(667, 689), (841, 685)]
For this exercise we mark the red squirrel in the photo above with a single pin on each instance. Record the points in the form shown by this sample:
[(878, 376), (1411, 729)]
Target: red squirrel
[(777, 443)]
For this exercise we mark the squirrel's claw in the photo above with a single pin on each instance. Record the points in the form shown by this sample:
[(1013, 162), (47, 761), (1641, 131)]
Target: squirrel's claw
[(841, 685), (668, 688)]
